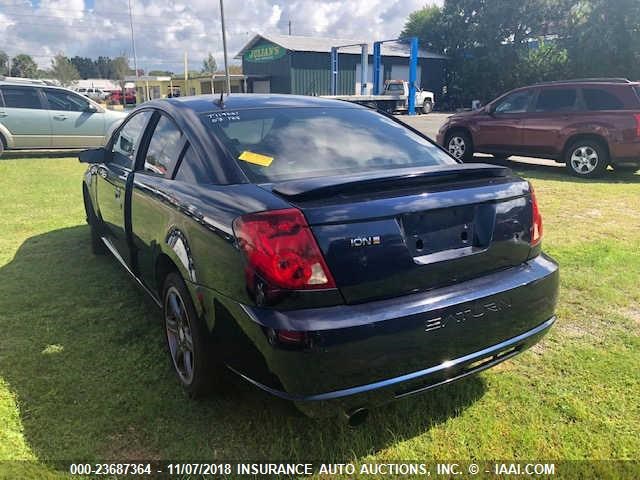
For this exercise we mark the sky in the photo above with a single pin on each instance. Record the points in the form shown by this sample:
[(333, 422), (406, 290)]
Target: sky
[(165, 29)]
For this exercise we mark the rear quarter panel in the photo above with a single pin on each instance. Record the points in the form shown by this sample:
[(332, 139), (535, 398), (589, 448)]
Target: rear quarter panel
[(192, 225), (606, 125), (623, 139)]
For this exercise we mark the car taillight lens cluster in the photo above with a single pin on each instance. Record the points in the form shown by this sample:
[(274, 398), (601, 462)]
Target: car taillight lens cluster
[(536, 224), (281, 250)]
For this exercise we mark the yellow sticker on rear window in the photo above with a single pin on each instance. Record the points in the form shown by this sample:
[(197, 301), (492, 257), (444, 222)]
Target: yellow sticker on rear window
[(255, 158)]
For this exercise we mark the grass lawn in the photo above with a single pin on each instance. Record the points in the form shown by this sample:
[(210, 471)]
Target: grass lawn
[(84, 374)]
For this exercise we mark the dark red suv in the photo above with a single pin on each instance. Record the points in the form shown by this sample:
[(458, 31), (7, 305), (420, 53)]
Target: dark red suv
[(587, 124)]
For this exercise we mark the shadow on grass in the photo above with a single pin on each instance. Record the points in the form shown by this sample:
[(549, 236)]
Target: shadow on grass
[(557, 172), (43, 154), (84, 353)]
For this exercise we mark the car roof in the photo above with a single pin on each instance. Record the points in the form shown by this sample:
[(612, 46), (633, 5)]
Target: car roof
[(210, 103), (588, 81), (31, 84), (570, 84), (26, 83)]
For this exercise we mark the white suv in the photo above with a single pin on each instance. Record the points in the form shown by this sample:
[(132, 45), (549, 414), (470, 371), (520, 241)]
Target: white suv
[(35, 115)]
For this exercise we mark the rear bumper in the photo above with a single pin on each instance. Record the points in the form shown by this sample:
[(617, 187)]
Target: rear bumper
[(413, 383), (375, 352)]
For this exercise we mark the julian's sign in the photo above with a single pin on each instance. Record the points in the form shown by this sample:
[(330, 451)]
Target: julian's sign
[(264, 53)]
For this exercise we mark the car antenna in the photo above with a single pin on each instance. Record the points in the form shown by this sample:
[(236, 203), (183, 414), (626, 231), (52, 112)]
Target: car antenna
[(221, 101)]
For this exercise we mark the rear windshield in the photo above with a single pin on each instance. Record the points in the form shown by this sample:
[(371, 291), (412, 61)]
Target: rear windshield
[(276, 144)]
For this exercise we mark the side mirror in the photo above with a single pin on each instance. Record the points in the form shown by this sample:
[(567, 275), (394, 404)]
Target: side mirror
[(91, 108), (95, 155), (490, 109)]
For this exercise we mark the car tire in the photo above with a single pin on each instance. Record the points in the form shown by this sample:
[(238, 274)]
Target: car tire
[(586, 159), (187, 339), (427, 107), (1, 145), (459, 145)]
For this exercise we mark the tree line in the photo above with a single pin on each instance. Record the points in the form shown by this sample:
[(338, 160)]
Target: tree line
[(496, 45), (68, 70)]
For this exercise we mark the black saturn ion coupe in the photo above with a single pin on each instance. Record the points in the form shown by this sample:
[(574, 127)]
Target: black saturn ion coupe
[(324, 252)]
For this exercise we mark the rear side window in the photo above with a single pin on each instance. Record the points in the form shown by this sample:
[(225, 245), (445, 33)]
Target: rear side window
[(164, 148), (600, 99), (65, 101), (191, 169), (187, 171), (276, 144), (556, 100), (21, 97)]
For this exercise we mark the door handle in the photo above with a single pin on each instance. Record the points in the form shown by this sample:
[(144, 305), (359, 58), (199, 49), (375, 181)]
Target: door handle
[(3, 114), (60, 117), (117, 192)]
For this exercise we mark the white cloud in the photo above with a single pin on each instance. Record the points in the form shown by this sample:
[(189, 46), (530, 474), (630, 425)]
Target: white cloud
[(276, 13), (165, 29)]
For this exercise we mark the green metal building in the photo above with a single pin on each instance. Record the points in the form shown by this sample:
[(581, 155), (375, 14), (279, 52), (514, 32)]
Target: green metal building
[(302, 65)]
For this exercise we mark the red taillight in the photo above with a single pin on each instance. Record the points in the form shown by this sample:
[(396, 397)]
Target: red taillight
[(637, 117), (281, 249), (536, 225)]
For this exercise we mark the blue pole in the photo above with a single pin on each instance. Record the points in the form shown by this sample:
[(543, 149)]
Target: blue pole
[(334, 71), (413, 66), (376, 68)]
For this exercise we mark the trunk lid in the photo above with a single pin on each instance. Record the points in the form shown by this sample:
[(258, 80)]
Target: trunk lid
[(391, 233)]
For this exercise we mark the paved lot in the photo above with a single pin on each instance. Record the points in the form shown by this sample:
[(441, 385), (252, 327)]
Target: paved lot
[(430, 124)]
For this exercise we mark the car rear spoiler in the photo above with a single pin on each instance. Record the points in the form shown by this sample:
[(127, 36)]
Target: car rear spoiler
[(318, 187)]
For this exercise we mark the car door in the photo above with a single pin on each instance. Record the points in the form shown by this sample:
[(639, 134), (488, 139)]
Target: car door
[(113, 181), (499, 129), (151, 185), (75, 122), (555, 108), (23, 114)]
